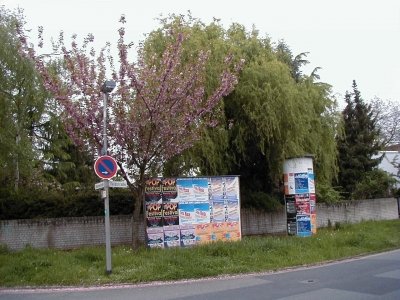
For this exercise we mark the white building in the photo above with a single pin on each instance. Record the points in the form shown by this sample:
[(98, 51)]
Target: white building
[(391, 164)]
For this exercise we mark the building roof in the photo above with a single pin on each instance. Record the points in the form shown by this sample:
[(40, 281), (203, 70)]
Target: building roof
[(395, 147)]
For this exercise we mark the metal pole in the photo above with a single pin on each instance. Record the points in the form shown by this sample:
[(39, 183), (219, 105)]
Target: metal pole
[(107, 225), (105, 192)]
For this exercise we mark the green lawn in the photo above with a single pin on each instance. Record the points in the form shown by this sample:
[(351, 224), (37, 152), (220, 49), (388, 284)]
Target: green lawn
[(86, 266)]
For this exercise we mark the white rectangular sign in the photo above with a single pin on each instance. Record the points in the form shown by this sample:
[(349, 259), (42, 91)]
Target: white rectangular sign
[(118, 184), (99, 185)]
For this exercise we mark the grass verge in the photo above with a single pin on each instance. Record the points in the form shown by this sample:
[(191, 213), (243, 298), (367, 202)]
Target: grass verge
[(86, 266)]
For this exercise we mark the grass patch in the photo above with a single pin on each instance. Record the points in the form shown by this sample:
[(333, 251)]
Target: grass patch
[(86, 266)]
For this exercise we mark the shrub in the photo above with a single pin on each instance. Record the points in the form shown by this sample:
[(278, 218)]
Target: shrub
[(327, 194), (374, 184)]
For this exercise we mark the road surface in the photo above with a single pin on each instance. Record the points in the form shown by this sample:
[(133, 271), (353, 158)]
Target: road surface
[(371, 277)]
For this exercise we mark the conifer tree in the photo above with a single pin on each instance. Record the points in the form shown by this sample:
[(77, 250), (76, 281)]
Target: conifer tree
[(359, 142)]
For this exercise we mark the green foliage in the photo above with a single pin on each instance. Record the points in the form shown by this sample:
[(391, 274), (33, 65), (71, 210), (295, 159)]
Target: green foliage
[(22, 106), (49, 267), (274, 112), (327, 194), (259, 199), (359, 143), (374, 184)]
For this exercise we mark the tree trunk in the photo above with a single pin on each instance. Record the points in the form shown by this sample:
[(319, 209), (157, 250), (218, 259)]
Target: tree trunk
[(16, 164), (136, 222), (136, 218)]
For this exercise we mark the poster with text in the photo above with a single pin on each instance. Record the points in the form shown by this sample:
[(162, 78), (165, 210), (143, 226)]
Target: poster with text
[(185, 190), (154, 215), (186, 213), (301, 183), (233, 231), (302, 204), (188, 236), (291, 205), (218, 206), (169, 190), (303, 225), (217, 188), (313, 223), (218, 231), (232, 188), (313, 203), (203, 233), (155, 239), (233, 210), (152, 190), (289, 184), (200, 188), (311, 181), (202, 213), (172, 238), (170, 214), (292, 226)]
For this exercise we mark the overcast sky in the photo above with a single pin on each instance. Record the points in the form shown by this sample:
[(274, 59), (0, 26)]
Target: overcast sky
[(348, 39)]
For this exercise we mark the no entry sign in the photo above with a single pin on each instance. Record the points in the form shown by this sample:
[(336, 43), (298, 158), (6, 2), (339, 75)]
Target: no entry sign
[(105, 167)]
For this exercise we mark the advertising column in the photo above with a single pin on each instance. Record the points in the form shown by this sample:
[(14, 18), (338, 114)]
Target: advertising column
[(300, 199)]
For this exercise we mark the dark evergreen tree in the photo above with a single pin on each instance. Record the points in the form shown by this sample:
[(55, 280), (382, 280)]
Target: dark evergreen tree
[(359, 142)]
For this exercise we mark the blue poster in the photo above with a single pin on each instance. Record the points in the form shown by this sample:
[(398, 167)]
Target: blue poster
[(301, 183), (303, 225)]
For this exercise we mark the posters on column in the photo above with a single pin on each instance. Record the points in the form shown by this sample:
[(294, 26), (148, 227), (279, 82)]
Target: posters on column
[(312, 204), (289, 183), (311, 181), (299, 187), (301, 183), (302, 204), (303, 225), (313, 223), (291, 205)]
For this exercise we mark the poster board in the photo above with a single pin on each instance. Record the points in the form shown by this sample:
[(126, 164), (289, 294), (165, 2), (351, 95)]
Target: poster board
[(192, 211)]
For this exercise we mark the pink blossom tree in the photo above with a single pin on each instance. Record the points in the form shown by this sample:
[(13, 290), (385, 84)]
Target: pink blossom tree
[(157, 111)]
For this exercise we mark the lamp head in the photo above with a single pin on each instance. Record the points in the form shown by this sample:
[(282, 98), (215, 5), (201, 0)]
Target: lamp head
[(108, 86)]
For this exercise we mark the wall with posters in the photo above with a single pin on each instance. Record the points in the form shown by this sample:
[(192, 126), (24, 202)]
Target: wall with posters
[(300, 196), (193, 210)]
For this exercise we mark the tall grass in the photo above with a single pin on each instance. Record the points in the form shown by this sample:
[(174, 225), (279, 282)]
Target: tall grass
[(86, 266)]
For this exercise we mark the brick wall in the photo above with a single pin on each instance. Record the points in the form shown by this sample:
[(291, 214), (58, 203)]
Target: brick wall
[(66, 233)]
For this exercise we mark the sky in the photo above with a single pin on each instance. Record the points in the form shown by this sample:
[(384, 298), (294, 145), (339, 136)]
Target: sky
[(348, 39)]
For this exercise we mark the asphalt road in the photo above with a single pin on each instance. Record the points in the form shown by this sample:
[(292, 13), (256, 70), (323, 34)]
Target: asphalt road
[(371, 277)]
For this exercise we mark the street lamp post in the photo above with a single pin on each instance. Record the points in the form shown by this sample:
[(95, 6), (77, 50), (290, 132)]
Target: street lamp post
[(107, 88)]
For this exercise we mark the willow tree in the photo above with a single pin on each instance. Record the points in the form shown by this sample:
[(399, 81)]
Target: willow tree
[(274, 112), (157, 111), (22, 108)]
